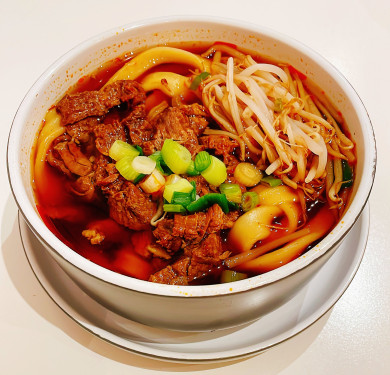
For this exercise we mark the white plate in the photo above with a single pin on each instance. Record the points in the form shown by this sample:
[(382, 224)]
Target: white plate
[(304, 309)]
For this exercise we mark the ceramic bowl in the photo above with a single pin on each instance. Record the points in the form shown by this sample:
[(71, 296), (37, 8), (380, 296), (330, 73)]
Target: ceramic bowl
[(194, 308)]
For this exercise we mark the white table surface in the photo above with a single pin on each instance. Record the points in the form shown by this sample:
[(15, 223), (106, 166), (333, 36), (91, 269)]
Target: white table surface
[(36, 337)]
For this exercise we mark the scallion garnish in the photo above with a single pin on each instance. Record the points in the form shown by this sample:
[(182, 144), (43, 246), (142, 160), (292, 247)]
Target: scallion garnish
[(193, 192), (250, 199), (192, 171), (207, 201), (347, 174), (247, 174), (176, 156), (232, 191), (176, 208), (139, 148), (181, 185), (198, 79), (125, 168), (271, 181), (202, 161), (144, 164), (216, 172), (179, 197), (160, 164), (121, 149), (139, 178)]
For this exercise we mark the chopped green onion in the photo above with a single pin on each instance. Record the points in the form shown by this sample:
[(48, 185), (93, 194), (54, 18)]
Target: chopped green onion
[(193, 192), (172, 178), (139, 148), (120, 149), (233, 206), (153, 183), (139, 178), (176, 208), (247, 174), (228, 276), (250, 199), (176, 156), (198, 79), (202, 161), (181, 198), (216, 173), (156, 156), (125, 168), (144, 164), (272, 181), (192, 171), (278, 105), (232, 191), (160, 164), (347, 174), (181, 185), (207, 201)]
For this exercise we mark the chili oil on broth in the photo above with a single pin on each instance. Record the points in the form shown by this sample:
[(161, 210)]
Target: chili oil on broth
[(123, 250)]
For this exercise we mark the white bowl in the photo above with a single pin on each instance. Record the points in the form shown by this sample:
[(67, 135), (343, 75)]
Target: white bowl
[(187, 307)]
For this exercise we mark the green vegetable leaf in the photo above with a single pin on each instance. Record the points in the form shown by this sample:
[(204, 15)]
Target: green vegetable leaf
[(198, 79)]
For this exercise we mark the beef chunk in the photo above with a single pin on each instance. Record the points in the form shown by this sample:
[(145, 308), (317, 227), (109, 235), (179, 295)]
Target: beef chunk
[(191, 229), (182, 124), (199, 260), (84, 187), (197, 117), (209, 251), (107, 134), (130, 206), (67, 156), (175, 274), (164, 236), (140, 129), (82, 131), (175, 124), (76, 107), (105, 171), (222, 145), (122, 91)]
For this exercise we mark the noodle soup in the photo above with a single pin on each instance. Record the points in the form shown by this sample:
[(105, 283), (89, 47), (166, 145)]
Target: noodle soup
[(193, 166)]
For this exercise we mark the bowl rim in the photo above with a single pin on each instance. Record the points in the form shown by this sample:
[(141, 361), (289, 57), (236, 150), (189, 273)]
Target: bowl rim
[(58, 248)]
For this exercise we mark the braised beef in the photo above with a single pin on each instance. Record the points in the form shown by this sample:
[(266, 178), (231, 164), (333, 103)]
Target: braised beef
[(131, 207), (105, 171), (84, 187), (107, 134), (175, 274), (82, 131), (198, 117), (54, 159), (79, 106), (191, 229), (199, 261), (183, 124), (140, 130), (221, 145), (164, 236), (67, 156)]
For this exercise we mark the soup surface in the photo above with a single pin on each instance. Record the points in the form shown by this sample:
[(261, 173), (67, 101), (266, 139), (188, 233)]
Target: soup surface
[(188, 166)]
